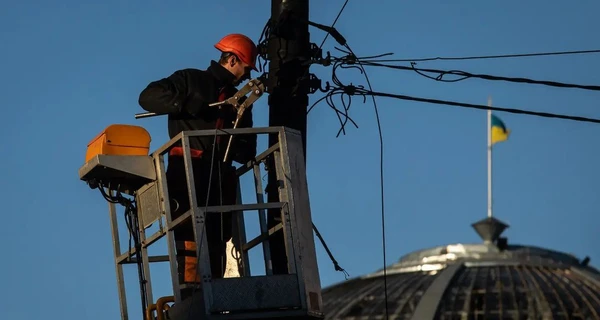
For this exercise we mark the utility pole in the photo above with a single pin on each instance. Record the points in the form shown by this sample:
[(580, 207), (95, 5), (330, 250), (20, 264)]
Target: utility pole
[(288, 49)]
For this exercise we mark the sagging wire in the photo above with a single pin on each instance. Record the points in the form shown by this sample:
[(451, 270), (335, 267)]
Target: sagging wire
[(132, 222), (348, 91), (341, 90), (263, 40), (343, 116), (345, 92), (381, 179)]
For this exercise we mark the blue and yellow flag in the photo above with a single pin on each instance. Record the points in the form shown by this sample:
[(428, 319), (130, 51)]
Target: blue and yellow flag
[(499, 131)]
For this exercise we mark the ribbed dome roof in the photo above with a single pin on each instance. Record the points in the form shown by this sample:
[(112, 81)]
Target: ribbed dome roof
[(473, 281)]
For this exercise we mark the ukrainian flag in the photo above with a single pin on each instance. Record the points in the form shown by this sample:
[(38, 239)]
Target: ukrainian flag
[(498, 129)]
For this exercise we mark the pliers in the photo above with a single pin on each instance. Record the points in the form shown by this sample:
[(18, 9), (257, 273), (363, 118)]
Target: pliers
[(254, 86), (256, 89)]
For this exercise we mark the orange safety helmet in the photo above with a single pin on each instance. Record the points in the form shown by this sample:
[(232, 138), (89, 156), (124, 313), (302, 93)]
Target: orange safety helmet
[(240, 45)]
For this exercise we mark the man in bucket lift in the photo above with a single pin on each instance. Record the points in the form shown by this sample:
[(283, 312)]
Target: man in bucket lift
[(185, 96)]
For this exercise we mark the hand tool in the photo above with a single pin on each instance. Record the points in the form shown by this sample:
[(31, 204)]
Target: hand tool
[(256, 89)]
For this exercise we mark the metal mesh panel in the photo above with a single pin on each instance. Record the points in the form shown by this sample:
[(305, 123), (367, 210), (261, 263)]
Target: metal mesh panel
[(149, 204), (253, 293), (490, 292), (365, 298), (520, 292)]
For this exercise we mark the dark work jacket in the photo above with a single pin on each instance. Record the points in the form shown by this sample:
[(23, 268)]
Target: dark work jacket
[(185, 96)]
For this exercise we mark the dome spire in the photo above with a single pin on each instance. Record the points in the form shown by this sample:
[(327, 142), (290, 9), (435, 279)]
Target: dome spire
[(489, 229)]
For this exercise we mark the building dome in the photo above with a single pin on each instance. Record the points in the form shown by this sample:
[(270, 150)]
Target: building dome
[(492, 280)]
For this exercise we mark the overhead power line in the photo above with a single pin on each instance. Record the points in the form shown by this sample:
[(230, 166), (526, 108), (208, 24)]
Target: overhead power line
[(333, 24), (474, 106), (501, 56), (349, 91), (352, 61), (465, 75), (346, 92)]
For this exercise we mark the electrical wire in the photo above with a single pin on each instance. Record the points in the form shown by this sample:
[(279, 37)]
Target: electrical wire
[(328, 98), (349, 91), (132, 222), (352, 61), (381, 176), (502, 56), (262, 43), (336, 265), (332, 105), (465, 75), (343, 90), (315, 56), (333, 24), (477, 106)]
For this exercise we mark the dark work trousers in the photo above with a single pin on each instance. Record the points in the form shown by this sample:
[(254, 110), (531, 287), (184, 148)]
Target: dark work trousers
[(218, 225)]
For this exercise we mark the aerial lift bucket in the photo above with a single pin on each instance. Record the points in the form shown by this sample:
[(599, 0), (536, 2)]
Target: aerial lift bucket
[(118, 160)]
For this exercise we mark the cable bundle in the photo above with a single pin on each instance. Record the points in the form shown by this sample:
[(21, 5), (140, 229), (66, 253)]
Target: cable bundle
[(132, 222), (351, 61)]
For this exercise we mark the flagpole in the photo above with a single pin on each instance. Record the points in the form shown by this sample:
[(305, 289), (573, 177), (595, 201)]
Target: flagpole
[(489, 156)]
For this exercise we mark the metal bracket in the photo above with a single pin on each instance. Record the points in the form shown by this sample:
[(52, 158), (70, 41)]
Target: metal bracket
[(313, 83), (315, 51), (316, 56)]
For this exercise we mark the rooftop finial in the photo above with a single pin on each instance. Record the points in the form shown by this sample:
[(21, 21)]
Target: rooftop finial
[(489, 229)]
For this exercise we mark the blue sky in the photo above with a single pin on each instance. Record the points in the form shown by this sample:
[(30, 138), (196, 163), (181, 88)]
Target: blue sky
[(70, 69)]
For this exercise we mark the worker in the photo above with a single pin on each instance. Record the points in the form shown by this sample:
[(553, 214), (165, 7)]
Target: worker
[(185, 96)]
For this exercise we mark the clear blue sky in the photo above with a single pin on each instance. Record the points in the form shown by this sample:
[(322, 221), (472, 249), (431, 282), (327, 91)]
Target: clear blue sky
[(70, 69)]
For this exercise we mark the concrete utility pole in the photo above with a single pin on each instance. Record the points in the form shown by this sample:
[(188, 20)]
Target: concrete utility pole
[(288, 47)]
